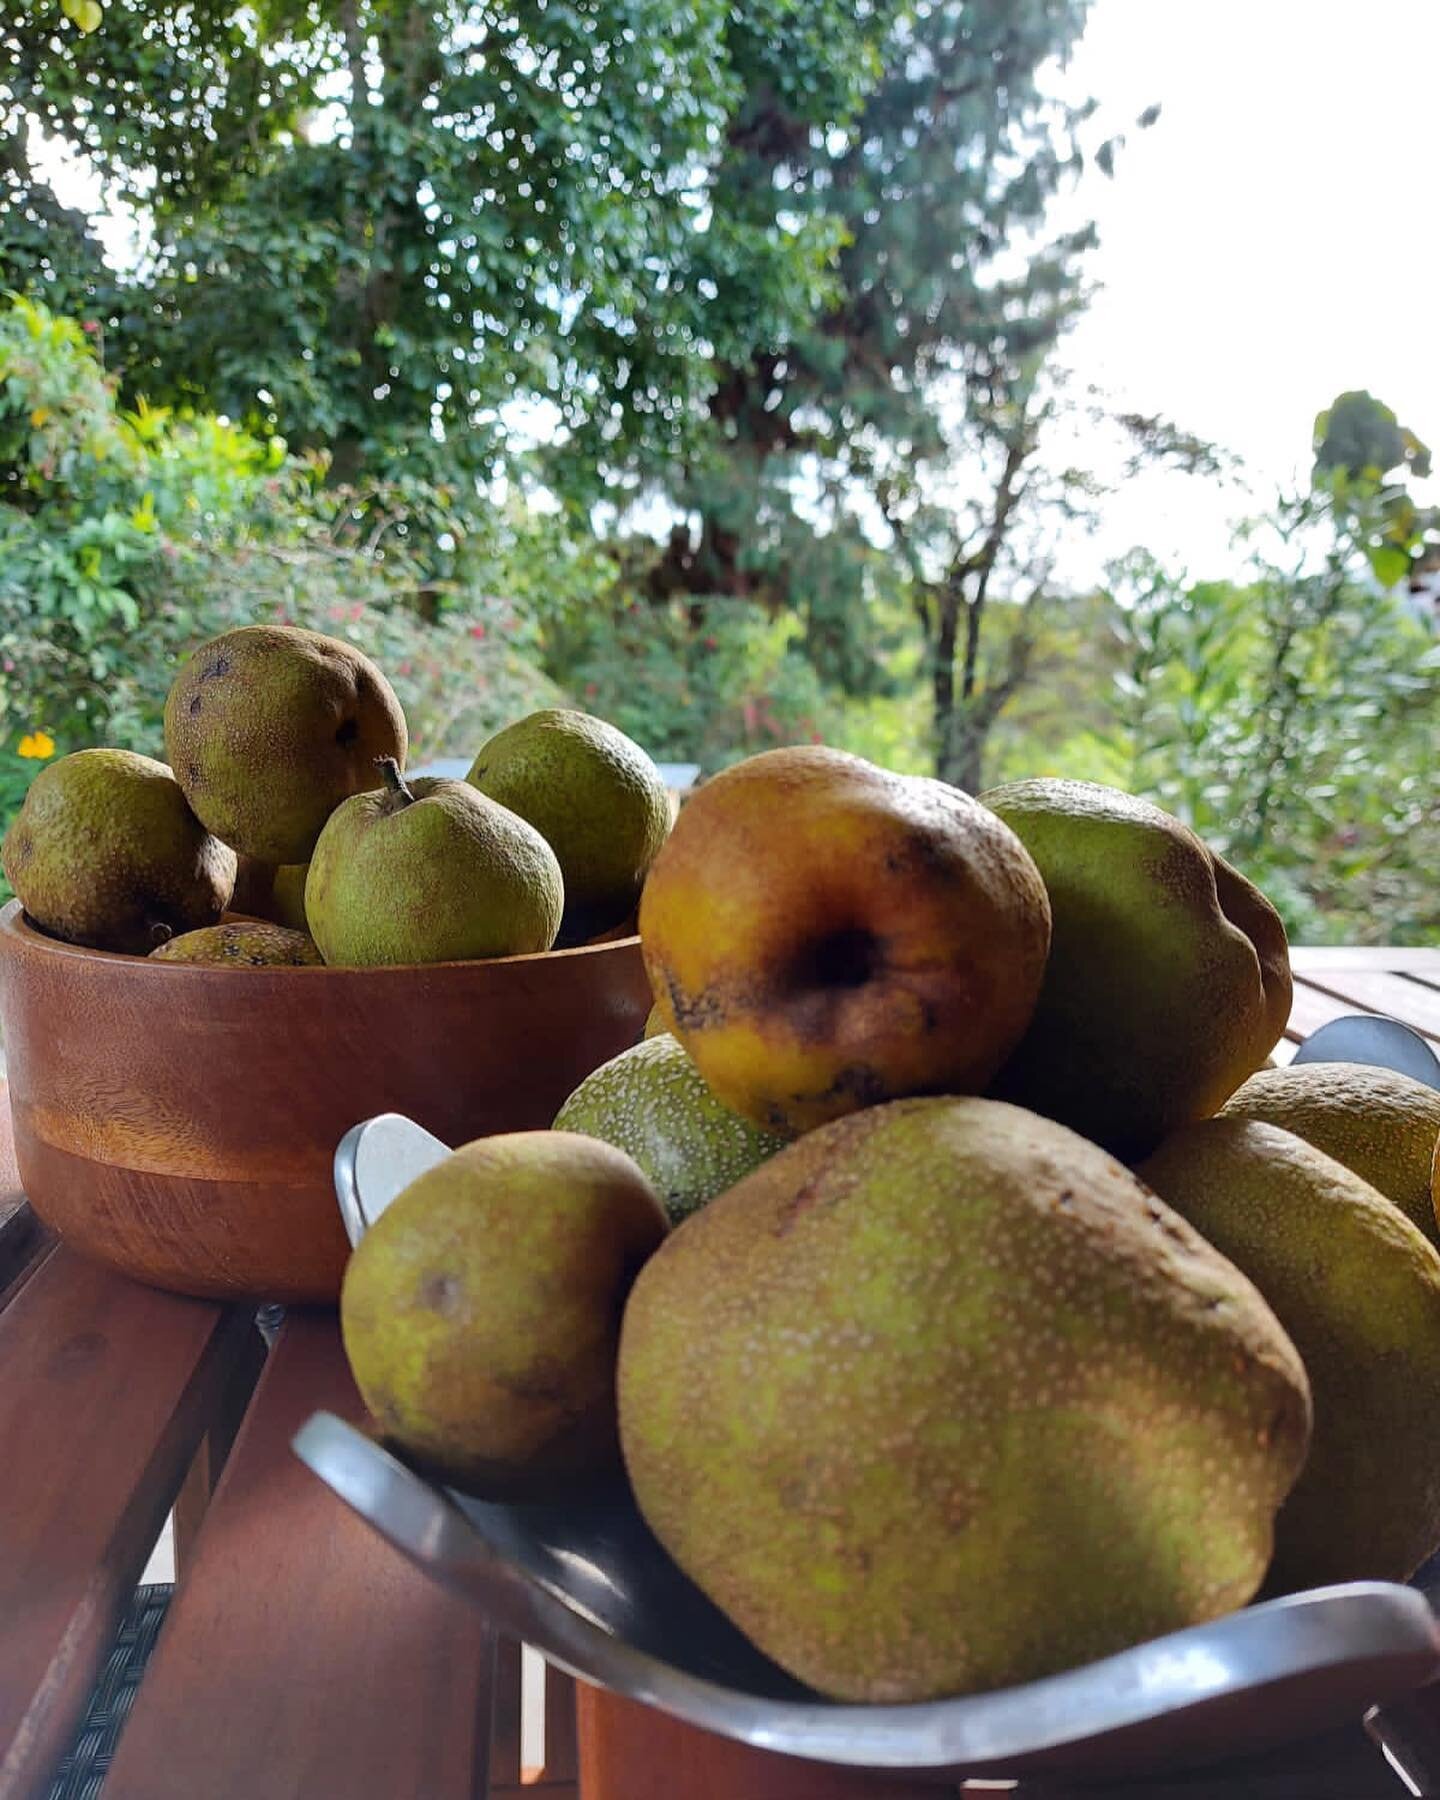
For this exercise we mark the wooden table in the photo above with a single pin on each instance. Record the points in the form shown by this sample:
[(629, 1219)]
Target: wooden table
[(301, 1657)]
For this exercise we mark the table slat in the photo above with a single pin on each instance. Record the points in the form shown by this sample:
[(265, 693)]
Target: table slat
[(303, 1657), (105, 1390), (1311, 1009), (1414, 1003), (1309, 959)]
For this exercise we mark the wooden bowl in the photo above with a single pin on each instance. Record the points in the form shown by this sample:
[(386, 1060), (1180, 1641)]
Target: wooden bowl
[(179, 1122)]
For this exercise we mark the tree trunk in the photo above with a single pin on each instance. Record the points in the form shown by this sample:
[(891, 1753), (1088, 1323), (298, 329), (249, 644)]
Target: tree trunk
[(963, 749), (942, 677)]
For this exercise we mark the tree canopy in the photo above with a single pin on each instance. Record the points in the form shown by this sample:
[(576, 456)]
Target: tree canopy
[(373, 224)]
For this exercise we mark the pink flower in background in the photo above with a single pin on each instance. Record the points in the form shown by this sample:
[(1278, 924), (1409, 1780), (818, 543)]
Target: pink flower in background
[(356, 609), (750, 713), (477, 631), (592, 688), (91, 325), (336, 612), (711, 643), (404, 668), (9, 666)]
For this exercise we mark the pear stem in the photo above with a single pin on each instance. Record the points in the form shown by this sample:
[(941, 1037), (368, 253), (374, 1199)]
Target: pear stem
[(394, 780)]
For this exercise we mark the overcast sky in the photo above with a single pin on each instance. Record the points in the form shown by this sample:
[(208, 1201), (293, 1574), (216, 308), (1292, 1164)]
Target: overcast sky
[(1270, 242)]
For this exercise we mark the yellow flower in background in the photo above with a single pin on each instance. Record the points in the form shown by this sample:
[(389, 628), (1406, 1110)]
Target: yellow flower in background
[(37, 745)]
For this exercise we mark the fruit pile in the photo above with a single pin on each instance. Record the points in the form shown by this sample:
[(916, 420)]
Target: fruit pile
[(284, 802), (959, 1292)]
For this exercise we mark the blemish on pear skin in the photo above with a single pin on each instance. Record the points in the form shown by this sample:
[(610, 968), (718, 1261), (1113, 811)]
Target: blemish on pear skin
[(440, 1293)]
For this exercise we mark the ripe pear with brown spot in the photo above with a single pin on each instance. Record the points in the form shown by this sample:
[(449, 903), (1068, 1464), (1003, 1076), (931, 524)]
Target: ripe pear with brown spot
[(242, 944), (105, 852), (481, 1311), (941, 1398), (1357, 1287), (269, 728), (822, 935), (1384, 1126), (1169, 975)]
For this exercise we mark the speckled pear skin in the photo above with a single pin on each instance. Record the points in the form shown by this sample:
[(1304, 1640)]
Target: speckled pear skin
[(652, 1102), (1357, 1286), (105, 852), (480, 1312), (594, 796), (1384, 1126), (444, 876), (822, 935), (1169, 975), (287, 896), (941, 1398), (269, 728), (242, 944), (263, 891)]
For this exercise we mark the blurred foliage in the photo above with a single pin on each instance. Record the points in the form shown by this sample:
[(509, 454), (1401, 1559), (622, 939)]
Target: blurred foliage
[(707, 680), (1293, 719), (127, 536)]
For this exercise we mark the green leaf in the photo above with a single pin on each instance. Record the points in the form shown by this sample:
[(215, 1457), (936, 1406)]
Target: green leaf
[(1390, 566)]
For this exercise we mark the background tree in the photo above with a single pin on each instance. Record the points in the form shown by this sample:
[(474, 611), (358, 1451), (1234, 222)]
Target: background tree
[(373, 224), (924, 377), (1290, 715)]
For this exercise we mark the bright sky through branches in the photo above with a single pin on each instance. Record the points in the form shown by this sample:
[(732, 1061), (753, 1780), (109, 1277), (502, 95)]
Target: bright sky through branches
[(1268, 243)]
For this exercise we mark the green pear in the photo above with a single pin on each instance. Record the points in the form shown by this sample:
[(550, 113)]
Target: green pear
[(105, 852), (941, 1398), (1357, 1286), (269, 728), (596, 798), (652, 1102), (430, 873), (287, 896), (1169, 976), (481, 1311)]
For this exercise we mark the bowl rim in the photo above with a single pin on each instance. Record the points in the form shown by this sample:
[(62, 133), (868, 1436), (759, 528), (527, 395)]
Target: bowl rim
[(15, 923)]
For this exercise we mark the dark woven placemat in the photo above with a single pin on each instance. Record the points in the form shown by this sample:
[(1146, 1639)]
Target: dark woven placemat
[(82, 1773)]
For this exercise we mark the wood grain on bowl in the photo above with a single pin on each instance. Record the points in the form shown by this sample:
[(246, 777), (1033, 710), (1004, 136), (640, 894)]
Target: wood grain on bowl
[(178, 1121)]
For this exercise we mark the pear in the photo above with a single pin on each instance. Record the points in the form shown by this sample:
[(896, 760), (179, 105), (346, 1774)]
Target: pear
[(652, 1102), (1169, 975), (480, 1313), (430, 873), (596, 798), (940, 1398), (287, 896), (105, 852), (269, 728), (1357, 1286), (1382, 1125), (242, 944), (263, 891)]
